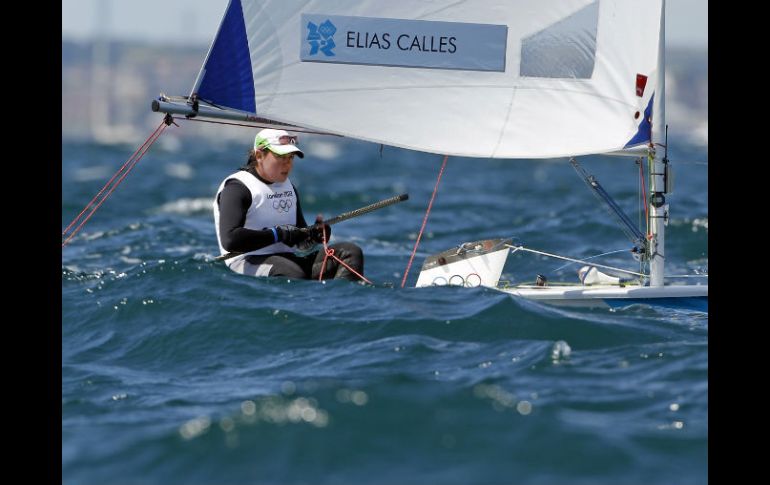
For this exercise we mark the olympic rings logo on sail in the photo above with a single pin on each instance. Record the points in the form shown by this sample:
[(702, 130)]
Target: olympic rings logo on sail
[(282, 205)]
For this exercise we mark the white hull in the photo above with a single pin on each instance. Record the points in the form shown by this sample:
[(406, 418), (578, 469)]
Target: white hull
[(480, 263), (596, 296), (481, 270)]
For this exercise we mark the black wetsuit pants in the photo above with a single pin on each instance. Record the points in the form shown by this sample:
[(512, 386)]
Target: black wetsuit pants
[(306, 267)]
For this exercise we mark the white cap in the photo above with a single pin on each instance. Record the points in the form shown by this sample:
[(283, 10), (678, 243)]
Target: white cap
[(277, 141)]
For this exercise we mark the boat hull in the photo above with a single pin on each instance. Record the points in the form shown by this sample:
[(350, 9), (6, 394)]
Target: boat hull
[(687, 297)]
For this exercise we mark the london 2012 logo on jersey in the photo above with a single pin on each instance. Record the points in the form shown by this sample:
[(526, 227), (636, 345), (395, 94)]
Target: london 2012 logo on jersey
[(320, 38)]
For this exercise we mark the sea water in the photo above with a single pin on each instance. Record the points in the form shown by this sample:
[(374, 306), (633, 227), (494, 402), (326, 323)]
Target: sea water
[(176, 370)]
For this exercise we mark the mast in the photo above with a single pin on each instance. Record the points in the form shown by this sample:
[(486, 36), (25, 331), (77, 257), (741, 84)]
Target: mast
[(658, 206)]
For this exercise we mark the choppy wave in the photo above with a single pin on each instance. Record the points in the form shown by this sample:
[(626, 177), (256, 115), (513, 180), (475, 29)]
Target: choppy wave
[(176, 370)]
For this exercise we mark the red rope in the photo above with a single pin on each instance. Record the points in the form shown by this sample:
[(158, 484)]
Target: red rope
[(329, 252), (106, 185), (424, 221), (323, 264), (126, 168)]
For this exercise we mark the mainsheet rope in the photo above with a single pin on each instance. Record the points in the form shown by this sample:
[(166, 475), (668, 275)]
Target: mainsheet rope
[(329, 253), (126, 169), (424, 221)]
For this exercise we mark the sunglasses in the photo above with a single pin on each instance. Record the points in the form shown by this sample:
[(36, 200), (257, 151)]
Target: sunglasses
[(287, 140)]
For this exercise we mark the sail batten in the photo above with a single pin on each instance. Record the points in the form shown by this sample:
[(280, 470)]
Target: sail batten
[(480, 78)]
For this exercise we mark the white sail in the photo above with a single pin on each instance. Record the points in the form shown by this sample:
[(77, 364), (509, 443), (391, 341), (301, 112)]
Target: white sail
[(477, 78)]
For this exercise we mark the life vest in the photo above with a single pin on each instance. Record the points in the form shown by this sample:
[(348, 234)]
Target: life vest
[(271, 205)]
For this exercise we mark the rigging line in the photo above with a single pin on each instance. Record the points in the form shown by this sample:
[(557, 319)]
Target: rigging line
[(644, 196), (291, 127), (156, 134), (424, 221), (686, 276), (327, 253), (592, 257), (76, 219), (628, 228), (522, 248)]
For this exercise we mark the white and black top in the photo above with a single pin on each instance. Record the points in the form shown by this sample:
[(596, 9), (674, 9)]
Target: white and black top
[(246, 207)]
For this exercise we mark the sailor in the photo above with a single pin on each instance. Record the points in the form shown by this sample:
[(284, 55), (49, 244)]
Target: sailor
[(257, 212)]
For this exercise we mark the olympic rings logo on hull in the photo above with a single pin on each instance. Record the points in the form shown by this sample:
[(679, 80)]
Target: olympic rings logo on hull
[(282, 205), (470, 281)]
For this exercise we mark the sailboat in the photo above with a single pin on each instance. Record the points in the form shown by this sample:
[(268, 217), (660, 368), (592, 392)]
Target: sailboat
[(509, 79)]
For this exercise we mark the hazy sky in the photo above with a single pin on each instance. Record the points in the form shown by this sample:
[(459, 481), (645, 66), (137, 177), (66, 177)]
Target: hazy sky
[(196, 21)]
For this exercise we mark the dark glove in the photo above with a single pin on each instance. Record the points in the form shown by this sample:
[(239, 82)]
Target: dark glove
[(291, 235), (317, 232)]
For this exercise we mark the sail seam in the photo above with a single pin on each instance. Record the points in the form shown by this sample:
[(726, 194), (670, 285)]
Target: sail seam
[(434, 12), (505, 123), (267, 100)]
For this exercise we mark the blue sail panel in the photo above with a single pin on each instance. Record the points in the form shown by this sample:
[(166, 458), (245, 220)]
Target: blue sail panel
[(644, 133), (227, 79)]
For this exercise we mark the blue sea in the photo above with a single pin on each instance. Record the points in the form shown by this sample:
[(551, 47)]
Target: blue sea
[(177, 371)]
